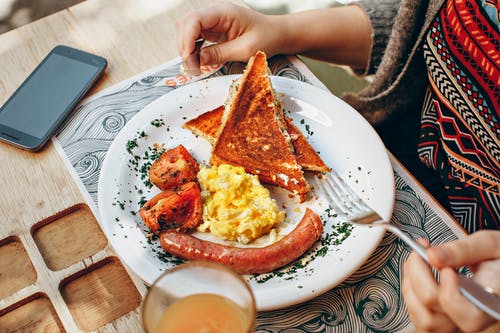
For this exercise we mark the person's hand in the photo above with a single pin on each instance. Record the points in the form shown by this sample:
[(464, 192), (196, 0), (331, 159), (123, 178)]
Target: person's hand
[(339, 35), (238, 33), (440, 307)]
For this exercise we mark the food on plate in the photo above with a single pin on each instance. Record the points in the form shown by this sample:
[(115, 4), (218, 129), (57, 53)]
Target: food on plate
[(180, 208), (247, 260), (207, 124), (236, 206), (253, 132), (305, 154), (252, 143), (174, 167)]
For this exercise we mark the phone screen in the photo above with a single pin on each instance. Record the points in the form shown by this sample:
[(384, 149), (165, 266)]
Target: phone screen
[(48, 94)]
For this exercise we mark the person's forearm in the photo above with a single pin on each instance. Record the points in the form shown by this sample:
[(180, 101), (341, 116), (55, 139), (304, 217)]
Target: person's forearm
[(339, 35)]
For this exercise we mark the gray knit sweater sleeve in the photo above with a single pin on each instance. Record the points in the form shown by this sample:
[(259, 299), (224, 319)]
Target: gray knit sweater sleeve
[(382, 14), (399, 79)]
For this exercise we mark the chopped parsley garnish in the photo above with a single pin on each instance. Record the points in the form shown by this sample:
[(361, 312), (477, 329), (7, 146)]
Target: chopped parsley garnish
[(157, 122), (131, 144)]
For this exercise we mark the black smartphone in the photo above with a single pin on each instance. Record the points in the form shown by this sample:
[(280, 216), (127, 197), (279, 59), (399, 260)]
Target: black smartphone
[(33, 113)]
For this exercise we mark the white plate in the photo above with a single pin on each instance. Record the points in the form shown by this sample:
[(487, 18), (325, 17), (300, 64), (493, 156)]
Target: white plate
[(344, 139)]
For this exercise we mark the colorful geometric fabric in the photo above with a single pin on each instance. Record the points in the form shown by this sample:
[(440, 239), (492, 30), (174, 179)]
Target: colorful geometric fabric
[(460, 131)]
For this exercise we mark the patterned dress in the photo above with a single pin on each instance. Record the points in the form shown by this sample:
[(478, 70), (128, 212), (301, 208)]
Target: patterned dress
[(460, 130)]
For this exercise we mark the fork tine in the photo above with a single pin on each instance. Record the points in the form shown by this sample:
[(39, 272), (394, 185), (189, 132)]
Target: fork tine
[(341, 197), (332, 195), (348, 198), (349, 195)]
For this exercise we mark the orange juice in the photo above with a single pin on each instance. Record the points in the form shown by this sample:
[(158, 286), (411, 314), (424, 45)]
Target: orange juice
[(203, 313)]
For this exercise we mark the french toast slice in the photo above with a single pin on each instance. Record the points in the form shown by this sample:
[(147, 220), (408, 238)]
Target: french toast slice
[(253, 133), (207, 124)]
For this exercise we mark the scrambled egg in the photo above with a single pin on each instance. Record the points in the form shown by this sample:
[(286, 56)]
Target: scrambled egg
[(235, 204)]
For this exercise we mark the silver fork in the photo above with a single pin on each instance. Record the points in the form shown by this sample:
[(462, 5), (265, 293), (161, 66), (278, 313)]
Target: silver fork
[(344, 200)]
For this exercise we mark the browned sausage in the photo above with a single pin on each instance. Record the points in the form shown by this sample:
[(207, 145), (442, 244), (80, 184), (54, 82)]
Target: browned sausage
[(247, 260)]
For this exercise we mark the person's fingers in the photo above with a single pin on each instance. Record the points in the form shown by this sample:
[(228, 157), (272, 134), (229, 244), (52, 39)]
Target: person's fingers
[(467, 316), (424, 318), (220, 20), (186, 39), (480, 246), (423, 280), (214, 36), (207, 24), (189, 28), (191, 64), (239, 49), (424, 242), (486, 274)]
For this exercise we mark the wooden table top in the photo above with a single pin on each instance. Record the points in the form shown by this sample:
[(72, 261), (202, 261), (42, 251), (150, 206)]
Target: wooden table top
[(126, 33), (46, 284)]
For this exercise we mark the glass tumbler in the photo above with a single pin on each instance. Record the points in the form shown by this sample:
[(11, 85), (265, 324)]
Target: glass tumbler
[(199, 297)]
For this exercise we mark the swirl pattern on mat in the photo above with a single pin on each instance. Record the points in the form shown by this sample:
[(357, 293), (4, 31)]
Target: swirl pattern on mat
[(113, 122), (377, 304)]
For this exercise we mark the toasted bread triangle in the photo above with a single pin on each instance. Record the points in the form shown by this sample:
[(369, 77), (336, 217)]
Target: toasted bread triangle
[(207, 125), (253, 133)]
